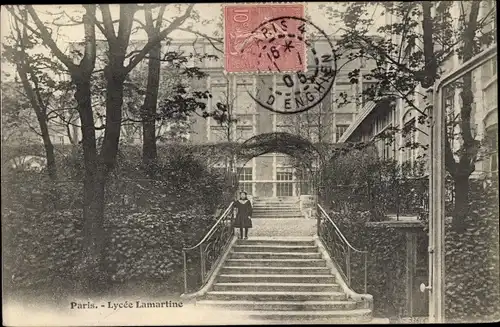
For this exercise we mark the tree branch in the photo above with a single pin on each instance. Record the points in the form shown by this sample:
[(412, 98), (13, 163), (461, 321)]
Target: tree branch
[(47, 39), (89, 57), (386, 56), (160, 18), (127, 12), (209, 38), (107, 20), (162, 35)]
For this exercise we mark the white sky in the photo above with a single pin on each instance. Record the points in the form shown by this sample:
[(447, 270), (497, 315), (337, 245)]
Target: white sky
[(207, 12)]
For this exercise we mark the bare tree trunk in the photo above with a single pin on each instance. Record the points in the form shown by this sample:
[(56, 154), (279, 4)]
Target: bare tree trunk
[(91, 213), (470, 147), (430, 70), (148, 110), (461, 170)]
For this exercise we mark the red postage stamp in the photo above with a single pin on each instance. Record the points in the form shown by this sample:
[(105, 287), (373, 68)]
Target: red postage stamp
[(264, 38)]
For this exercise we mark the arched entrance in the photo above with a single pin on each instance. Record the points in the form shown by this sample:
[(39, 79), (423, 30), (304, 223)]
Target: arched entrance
[(277, 164)]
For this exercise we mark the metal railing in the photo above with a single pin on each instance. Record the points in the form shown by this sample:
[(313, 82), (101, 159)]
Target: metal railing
[(200, 260), (351, 262)]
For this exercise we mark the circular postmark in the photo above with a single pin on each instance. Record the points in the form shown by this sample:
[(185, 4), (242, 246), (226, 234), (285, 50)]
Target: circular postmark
[(305, 66)]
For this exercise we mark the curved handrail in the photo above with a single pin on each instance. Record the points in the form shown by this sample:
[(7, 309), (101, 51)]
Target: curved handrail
[(210, 232), (338, 230)]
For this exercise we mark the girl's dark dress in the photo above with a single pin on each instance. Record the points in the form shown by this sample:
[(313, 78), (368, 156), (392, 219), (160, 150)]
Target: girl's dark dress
[(244, 211)]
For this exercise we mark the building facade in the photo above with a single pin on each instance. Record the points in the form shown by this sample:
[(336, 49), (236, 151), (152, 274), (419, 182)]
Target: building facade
[(380, 116), (269, 175), (272, 174)]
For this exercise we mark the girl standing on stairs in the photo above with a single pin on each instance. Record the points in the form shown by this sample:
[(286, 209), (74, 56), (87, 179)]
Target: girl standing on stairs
[(243, 219)]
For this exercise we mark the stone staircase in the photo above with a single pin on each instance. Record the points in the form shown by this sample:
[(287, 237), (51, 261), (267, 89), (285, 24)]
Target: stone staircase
[(281, 280), (278, 207)]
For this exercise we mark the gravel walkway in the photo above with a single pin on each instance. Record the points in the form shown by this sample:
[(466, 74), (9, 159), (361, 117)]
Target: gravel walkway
[(283, 227)]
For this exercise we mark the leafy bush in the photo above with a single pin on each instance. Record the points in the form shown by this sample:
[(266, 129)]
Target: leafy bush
[(148, 221), (40, 249), (472, 260), (357, 180), (386, 248), (149, 244)]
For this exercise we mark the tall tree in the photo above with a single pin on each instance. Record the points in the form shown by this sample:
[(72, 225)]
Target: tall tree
[(416, 44), (99, 165), (34, 82), (148, 110)]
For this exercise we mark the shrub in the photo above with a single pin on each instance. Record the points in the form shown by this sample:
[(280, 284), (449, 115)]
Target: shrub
[(386, 248), (357, 180), (472, 260), (147, 220), (40, 249), (149, 244)]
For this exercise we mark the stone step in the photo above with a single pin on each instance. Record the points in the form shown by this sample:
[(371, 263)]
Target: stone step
[(333, 317), (248, 278), (280, 305), (276, 205), (274, 255), (274, 248), (280, 208), (277, 200), (281, 199), (268, 212), (277, 241), (276, 214), (278, 296), (279, 217), (275, 270), (276, 208), (275, 263), (277, 287)]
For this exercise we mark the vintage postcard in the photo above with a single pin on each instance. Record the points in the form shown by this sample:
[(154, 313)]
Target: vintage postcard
[(249, 163)]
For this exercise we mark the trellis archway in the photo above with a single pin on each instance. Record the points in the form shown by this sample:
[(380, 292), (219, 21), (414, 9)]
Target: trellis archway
[(280, 142), (304, 154)]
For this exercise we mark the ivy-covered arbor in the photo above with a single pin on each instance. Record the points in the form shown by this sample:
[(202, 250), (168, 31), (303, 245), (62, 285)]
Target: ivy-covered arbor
[(297, 147), (306, 157)]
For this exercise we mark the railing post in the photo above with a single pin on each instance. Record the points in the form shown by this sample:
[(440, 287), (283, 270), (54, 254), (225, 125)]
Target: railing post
[(366, 271), (185, 271), (398, 200), (318, 221), (202, 264), (348, 265)]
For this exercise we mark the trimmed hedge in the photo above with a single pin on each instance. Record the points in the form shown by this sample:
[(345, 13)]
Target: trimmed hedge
[(141, 245), (472, 261), (386, 261), (147, 222)]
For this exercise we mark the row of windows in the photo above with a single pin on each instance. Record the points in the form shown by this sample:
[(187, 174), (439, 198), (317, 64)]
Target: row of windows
[(282, 188), (240, 102), (282, 174), (241, 133), (230, 134)]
